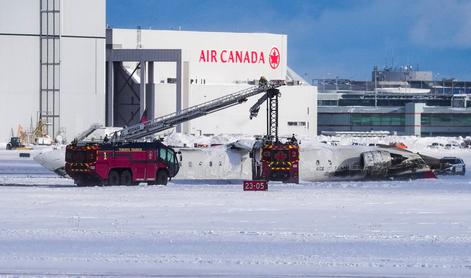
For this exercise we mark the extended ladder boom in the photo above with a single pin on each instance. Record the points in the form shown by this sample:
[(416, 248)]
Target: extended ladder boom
[(168, 121)]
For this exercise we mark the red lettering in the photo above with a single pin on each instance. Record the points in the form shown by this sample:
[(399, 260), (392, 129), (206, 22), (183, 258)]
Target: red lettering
[(222, 56), (202, 57), (238, 57), (254, 57), (232, 56), (262, 58), (246, 58), (213, 56)]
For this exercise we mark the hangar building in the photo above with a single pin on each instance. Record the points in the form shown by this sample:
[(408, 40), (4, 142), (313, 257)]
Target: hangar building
[(62, 65), (52, 64)]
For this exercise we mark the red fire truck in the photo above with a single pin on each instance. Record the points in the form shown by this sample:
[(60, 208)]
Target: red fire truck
[(120, 163), (280, 162), (276, 161)]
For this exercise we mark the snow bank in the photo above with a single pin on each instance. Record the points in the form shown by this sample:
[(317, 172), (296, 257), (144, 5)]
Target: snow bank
[(183, 140)]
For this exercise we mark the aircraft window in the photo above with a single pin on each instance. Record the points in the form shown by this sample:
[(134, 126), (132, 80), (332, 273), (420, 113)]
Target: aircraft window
[(190, 164), (220, 163), (210, 164), (330, 162), (317, 162)]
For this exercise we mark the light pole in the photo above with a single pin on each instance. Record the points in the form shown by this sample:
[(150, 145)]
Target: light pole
[(325, 79), (452, 86), (443, 85), (435, 80)]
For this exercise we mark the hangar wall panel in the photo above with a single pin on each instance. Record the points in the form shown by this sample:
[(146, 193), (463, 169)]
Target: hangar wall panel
[(19, 16), (83, 93), (19, 75), (84, 18)]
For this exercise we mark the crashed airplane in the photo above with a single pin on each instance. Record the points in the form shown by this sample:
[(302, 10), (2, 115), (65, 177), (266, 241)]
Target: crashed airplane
[(318, 162)]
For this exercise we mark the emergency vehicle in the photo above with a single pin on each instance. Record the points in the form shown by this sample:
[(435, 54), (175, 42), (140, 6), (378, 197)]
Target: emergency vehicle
[(120, 163)]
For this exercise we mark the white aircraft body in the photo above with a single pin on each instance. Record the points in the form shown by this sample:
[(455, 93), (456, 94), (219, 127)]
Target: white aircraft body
[(319, 162)]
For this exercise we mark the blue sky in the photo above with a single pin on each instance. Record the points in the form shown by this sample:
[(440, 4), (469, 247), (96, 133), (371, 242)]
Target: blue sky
[(328, 38)]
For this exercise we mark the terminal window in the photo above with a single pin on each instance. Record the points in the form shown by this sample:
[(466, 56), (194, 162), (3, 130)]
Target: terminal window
[(377, 120), (460, 120)]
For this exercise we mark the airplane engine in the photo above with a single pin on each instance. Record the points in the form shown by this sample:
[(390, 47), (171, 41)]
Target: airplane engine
[(375, 164)]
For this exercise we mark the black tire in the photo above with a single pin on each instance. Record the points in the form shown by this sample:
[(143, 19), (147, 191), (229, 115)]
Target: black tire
[(161, 177), (80, 183), (113, 178), (86, 181), (126, 178), (9, 146)]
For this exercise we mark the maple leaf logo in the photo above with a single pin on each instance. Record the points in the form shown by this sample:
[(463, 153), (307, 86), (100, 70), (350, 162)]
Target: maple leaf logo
[(274, 58)]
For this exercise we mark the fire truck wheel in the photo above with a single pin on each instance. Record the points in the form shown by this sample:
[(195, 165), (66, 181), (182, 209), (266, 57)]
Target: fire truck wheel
[(126, 178), (79, 182), (162, 177), (82, 183), (113, 178)]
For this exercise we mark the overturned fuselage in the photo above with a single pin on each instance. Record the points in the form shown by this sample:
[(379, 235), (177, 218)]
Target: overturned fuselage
[(317, 163)]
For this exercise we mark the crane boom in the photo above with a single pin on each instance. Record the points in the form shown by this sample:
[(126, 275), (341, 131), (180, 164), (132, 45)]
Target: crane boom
[(168, 121), (271, 96)]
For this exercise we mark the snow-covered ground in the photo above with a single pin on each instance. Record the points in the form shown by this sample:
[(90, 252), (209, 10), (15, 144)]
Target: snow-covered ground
[(336, 229)]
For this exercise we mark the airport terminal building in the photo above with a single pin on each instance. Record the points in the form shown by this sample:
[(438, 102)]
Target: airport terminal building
[(71, 73), (402, 101)]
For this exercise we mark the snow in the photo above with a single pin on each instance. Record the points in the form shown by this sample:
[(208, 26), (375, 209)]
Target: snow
[(340, 229)]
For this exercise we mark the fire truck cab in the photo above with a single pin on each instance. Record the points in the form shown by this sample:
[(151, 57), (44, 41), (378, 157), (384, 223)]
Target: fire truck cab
[(120, 163)]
